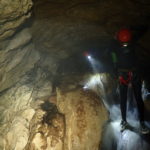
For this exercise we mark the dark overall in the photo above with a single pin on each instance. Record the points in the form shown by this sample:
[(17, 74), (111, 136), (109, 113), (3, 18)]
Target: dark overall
[(128, 72)]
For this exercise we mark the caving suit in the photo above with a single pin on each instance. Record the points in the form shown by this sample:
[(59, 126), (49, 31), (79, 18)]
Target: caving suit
[(128, 72)]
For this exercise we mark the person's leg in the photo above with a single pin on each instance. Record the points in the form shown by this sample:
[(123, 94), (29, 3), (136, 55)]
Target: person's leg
[(123, 106), (137, 85), (123, 100)]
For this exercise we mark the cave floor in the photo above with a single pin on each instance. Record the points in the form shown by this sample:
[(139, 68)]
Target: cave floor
[(129, 139)]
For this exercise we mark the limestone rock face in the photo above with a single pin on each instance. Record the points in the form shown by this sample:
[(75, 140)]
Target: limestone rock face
[(33, 119), (71, 121), (18, 133), (17, 112), (47, 129), (16, 57), (12, 15), (84, 118)]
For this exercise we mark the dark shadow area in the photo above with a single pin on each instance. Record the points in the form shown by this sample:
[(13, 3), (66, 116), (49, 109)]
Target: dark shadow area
[(51, 112)]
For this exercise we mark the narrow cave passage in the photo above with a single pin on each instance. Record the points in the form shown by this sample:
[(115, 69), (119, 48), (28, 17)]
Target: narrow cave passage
[(58, 84)]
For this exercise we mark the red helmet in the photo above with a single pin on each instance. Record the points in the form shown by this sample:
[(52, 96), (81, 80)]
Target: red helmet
[(124, 35)]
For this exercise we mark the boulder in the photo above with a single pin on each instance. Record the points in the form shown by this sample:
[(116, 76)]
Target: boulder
[(84, 119)]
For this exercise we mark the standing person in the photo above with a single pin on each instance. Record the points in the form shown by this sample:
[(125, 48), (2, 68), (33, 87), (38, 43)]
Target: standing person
[(128, 72)]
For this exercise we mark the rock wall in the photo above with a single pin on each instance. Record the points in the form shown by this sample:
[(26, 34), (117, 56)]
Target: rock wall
[(17, 58), (18, 74), (13, 14)]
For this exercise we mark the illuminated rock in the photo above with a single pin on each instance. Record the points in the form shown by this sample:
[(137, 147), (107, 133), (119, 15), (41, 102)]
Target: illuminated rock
[(18, 133), (17, 57), (13, 14), (84, 117), (71, 120), (48, 130)]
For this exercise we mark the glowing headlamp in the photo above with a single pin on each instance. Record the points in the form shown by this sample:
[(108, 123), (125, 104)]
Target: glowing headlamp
[(89, 57), (125, 44)]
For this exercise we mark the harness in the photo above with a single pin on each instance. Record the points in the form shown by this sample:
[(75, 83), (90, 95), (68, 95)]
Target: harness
[(124, 81)]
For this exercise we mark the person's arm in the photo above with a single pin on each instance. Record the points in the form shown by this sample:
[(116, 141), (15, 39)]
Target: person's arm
[(114, 62), (114, 58)]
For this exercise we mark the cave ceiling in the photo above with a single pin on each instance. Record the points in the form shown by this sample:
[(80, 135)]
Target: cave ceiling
[(72, 26), (64, 27)]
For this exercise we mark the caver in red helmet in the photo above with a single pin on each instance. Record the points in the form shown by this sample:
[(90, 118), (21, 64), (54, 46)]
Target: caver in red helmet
[(124, 35)]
